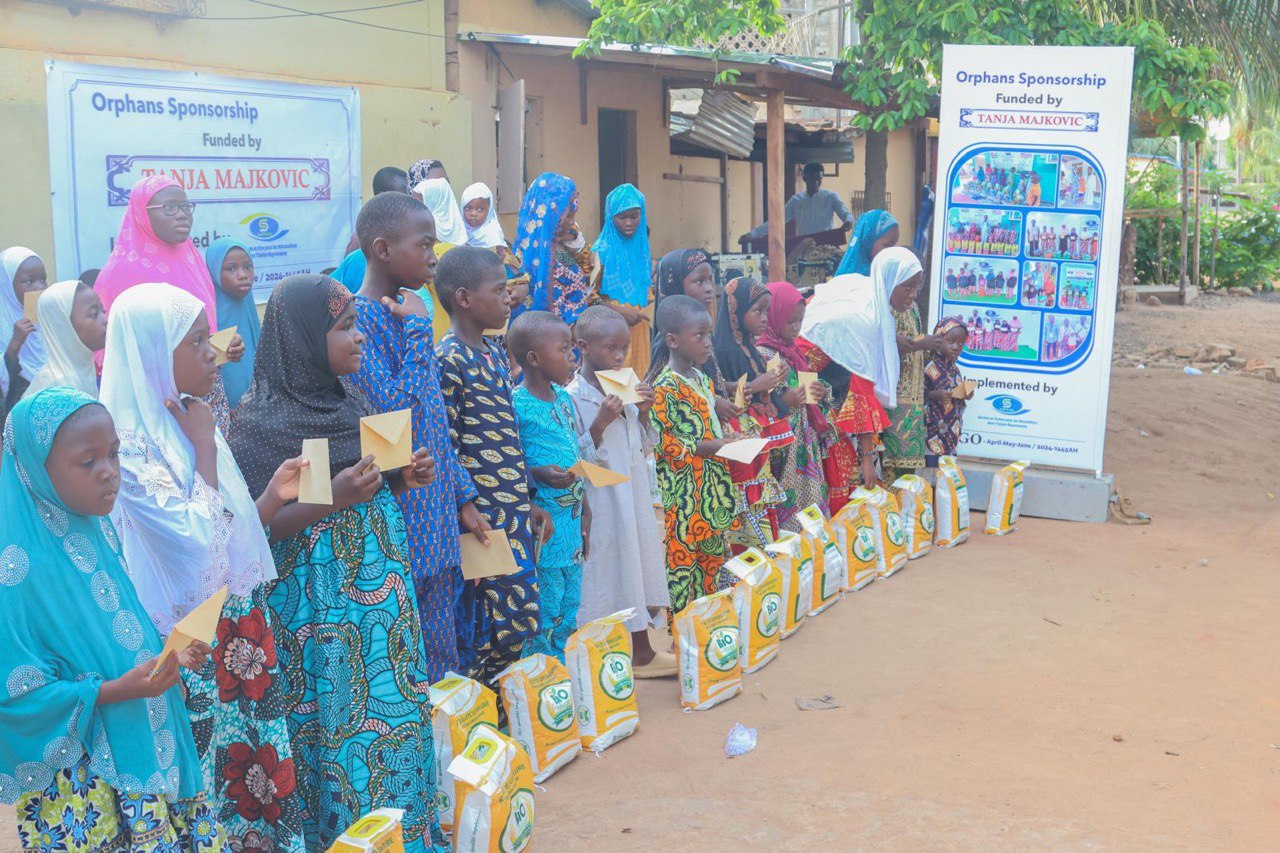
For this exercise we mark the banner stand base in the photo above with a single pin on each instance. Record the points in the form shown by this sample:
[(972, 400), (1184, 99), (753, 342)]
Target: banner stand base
[(1047, 492)]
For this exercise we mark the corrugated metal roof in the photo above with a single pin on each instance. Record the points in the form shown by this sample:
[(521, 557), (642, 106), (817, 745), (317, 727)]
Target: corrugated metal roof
[(718, 120), (697, 58)]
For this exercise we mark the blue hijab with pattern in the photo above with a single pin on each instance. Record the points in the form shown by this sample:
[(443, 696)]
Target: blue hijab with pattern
[(549, 197), (871, 226), (628, 267), (72, 621)]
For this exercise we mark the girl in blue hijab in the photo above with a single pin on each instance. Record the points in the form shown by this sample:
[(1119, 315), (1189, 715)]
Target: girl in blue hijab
[(545, 242), (97, 753), (627, 276), (875, 231), (231, 269)]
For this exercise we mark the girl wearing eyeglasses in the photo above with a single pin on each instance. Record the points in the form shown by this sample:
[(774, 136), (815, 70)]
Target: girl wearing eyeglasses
[(154, 245)]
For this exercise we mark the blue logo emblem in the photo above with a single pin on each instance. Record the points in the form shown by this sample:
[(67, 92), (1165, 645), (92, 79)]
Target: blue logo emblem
[(1007, 404), (264, 227)]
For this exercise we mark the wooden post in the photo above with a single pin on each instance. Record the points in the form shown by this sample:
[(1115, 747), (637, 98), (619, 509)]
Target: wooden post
[(724, 203), (1186, 227), (1195, 257), (776, 143)]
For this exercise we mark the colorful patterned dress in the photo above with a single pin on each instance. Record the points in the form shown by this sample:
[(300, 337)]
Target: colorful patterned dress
[(697, 493), (548, 435), (399, 371), (798, 466), (351, 649), (482, 426), (904, 440)]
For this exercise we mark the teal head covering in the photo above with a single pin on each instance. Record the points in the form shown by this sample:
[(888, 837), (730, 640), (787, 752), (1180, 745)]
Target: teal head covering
[(871, 226), (72, 621), (628, 268), (241, 312)]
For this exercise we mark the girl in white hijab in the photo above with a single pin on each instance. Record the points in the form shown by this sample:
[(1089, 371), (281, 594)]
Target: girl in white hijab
[(437, 195), (188, 527), (18, 275), (487, 233), (74, 326)]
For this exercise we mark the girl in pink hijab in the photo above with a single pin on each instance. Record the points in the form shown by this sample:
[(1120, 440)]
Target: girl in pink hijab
[(154, 245)]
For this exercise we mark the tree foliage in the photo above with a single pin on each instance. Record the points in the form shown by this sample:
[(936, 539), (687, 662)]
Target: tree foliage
[(896, 69)]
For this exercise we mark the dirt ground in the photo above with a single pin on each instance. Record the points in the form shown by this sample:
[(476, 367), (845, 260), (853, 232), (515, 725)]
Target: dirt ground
[(1068, 686)]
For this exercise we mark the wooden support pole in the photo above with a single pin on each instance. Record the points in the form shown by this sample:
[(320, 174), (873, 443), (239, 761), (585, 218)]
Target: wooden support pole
[(1195, 255), (724, 203), (776, 143), (1186, 226)]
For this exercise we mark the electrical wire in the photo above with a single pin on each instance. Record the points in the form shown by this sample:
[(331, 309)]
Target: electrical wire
[(291, 12)]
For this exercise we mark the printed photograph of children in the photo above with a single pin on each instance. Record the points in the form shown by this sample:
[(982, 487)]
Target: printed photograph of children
[(981, 232), (1002, 333), (993, 282), (1079, 284), (1063, 335), (1079, 184), (1062, 236), (1007, 178)]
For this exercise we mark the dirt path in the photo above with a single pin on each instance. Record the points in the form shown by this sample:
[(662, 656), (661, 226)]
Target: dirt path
[(1067, 686), (984, 688)]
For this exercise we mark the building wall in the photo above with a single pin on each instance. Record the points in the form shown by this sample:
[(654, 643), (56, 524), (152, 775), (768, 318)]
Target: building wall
[(405, 112), (900, 182)]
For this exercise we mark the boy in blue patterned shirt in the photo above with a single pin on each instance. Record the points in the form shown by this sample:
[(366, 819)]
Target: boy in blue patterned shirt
[(540, 343)]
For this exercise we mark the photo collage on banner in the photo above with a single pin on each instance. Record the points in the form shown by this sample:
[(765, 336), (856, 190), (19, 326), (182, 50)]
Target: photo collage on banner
[(1021, 253)]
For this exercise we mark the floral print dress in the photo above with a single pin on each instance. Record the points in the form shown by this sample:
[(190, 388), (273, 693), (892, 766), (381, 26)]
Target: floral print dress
[(697, 493), (350, 646), (904, 440)]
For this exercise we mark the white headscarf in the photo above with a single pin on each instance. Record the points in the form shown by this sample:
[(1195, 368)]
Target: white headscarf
[(851, 320), (488, 234), (182, 540), (437, 195), (32, 356), (69, 362)]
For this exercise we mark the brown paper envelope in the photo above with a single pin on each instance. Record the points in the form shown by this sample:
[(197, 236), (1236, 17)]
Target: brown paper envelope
[(389, 438), (30, 300), (200, 624), (220, 340), (775, 364), (597, 475), (621, 383), (805, 380), (481, 562), (744, 450), (964, 389), (314, 486), (740, 398)]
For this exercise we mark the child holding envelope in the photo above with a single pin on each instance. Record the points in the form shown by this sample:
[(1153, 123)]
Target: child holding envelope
[(475, 379), (743, 314), (99, 745), (398, 372), (697, 492), (942, 382), (625, 568), (540, 343), (349, 643)]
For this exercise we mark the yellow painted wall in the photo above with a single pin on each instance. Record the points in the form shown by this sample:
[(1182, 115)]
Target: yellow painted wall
[(405, 112), (681, 214), (900, 182)]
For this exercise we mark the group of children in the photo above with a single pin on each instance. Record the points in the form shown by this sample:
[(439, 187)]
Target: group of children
[(1063, 338), (1065, 244), (966, 283), (131, 500), (998, 185), (995, 334), (982, 238)]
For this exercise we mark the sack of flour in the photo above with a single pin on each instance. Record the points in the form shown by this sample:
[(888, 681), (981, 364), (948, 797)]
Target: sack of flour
[(539, 701), (495, 794), (950, 504), (1005, 503), (598, 656), (915, 500), (380, 831), (830, 577), (855, 535), (886, 525), (707, 650), (458, 705), (757, 598), (793, 556)]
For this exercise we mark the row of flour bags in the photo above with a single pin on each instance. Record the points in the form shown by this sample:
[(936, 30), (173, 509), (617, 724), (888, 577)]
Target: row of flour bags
[(485, 779), (720, 636)]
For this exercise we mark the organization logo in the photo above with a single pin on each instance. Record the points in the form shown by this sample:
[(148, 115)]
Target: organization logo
[(615, 676), (1007, 404), (722, 648), (264, 227), (555, 706), (518, 829), (768, 619)]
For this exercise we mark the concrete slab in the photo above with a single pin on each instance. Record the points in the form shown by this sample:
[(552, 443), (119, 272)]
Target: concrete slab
[(1047, 492), (1166, 293)]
